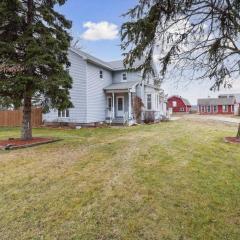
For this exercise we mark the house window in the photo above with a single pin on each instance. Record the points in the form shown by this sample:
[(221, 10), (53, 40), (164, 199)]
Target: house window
[(208, 109), (215, 109), (202, 109), (109, 103), (149, 101), (120, 104), (174, 103), (225, 108), (63, 113), (232, 108), (124, 77), (101, 74)]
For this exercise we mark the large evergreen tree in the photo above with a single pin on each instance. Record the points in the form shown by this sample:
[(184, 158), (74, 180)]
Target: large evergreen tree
[(33, 56)]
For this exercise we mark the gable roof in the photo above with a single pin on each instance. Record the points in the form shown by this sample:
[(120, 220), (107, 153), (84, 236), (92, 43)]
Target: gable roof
[(91, 58), (119, 65), (112, 66), (216, 101), (233, 95), (121, 86)]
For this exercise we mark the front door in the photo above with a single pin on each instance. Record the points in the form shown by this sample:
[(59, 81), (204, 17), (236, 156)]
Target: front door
[(120, 106)]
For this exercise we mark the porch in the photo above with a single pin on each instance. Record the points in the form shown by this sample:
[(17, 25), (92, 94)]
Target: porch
[(119, 103)]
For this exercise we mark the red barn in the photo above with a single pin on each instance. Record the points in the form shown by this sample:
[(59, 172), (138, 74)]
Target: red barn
[(179, 104), (221, 105)]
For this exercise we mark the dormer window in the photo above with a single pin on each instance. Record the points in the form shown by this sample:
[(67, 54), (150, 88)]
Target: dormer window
[(101, 74), (124, 77)]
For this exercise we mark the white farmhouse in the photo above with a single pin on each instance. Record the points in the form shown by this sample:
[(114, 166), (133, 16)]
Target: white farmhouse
[(105, 92)]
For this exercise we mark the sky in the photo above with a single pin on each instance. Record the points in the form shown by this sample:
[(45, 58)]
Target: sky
[(96, 25)]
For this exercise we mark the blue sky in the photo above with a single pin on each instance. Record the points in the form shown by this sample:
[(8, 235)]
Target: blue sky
[(102, 20), (96, 11)]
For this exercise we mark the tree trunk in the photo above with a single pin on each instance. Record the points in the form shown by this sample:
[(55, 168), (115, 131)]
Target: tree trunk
[(238, 133), (26, 123)]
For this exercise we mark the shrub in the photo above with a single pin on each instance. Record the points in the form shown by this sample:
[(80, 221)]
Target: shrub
[(137, 108), (149, 117)]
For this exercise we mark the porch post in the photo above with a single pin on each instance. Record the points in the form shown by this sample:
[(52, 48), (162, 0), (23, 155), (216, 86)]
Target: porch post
[(129, 105), (113, 105)]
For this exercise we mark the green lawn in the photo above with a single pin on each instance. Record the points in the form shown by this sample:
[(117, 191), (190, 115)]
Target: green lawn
[(174, 180)]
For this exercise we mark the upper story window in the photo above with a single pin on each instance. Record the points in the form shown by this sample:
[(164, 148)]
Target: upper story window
[(149, 101), (63, 113), (101, 74), (124, 77), (174, 103)]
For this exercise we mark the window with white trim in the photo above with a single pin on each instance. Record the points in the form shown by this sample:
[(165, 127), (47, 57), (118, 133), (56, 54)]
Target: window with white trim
[(149, 101), (215, 108), (208, 108), (124, 77), (101, 74), (202, 108), (225, 108), (63, 113), (174, 103), (109, 103)]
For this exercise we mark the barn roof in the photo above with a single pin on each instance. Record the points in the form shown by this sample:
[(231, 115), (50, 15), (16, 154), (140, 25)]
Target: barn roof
[(216, 101), (185, 101)]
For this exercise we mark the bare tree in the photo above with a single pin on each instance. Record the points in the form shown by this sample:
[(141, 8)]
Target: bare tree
[(197, 35)]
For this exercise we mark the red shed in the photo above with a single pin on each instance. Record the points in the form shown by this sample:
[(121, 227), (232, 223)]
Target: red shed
[(179, 104), (220, 105)]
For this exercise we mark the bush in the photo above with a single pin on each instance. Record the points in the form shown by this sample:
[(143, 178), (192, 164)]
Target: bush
[(137, 108), (149, 117)]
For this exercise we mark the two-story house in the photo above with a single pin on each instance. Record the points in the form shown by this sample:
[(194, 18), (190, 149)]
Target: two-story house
[(105, 92)]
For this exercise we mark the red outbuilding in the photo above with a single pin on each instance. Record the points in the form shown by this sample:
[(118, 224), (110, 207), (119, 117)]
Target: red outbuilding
[(220, 105), (177, 104)]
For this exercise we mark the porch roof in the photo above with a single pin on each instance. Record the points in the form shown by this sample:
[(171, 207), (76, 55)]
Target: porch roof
[(121, 86)]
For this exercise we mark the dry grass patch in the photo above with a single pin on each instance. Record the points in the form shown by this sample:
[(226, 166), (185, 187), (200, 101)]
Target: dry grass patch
[(175, 180)]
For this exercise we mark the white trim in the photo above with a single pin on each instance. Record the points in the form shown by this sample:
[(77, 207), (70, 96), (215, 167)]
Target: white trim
[(113, 104), (124, 80), (223, 108), (118, 97), (109, 97), (129, 105)]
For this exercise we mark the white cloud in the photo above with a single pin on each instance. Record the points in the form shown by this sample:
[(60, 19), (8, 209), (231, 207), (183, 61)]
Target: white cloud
[(100, 31)]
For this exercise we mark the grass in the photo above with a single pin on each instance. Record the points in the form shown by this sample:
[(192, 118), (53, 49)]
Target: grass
[(175, 180)]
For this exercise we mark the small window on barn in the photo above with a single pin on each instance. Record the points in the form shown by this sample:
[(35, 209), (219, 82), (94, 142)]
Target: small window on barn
[(149, 101), (64, 113), (101, 74), (225, 108), (174, 103), (208, 109), (181, 109)]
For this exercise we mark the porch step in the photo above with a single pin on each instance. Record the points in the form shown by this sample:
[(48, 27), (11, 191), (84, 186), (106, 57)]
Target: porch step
[(117, 121)]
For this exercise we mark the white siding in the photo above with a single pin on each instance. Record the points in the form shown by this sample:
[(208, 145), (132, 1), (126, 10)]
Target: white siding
[(131, 76), (77, 93), (96, 97)]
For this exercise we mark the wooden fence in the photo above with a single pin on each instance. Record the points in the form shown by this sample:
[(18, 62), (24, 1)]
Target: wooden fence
[(13, 118)]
